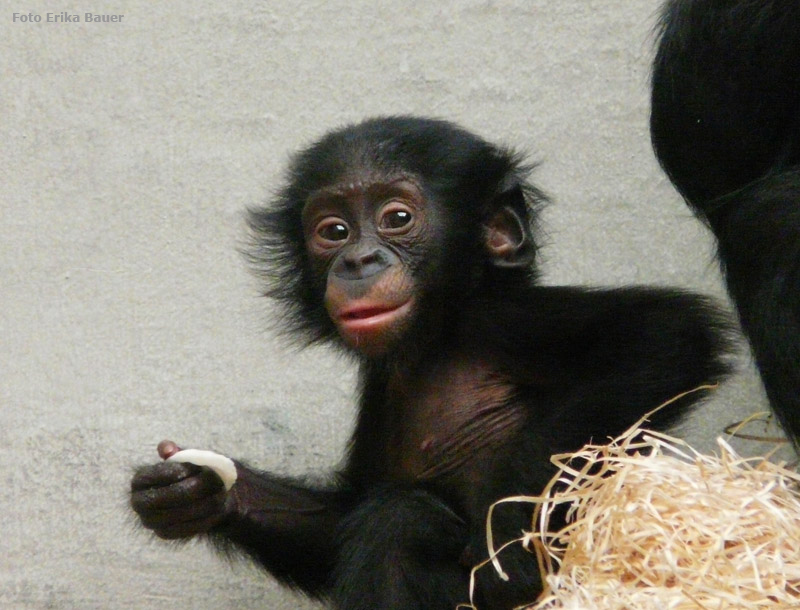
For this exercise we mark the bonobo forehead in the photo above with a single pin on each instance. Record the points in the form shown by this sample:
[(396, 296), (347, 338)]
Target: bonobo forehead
[(441, 155), (358, 183), (364, 190)]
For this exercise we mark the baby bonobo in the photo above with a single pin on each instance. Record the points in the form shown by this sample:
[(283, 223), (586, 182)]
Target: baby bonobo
[(407, 243)]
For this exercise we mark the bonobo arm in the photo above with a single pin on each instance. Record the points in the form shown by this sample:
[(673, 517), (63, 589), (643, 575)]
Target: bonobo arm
[(284, 525), (606, 356)]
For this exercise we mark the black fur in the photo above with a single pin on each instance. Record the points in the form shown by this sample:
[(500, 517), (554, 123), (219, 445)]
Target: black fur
[(494, 374), (726, 128)]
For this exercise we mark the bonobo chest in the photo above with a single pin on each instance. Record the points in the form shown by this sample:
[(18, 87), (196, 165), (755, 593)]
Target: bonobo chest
[(445, 425)]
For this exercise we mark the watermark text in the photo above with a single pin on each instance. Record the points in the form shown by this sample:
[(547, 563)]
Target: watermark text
[(65, 17)]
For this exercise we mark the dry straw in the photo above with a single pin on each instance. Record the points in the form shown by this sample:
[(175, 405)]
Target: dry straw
[(655, 525)]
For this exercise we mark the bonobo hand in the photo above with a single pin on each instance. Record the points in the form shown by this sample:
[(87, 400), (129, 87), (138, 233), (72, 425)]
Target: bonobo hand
[(179, 500)]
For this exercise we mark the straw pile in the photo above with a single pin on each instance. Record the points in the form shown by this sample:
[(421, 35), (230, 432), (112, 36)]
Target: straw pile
[(655, 525)]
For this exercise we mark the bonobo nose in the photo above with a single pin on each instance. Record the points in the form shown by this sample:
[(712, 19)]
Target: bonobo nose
[(359, 265)]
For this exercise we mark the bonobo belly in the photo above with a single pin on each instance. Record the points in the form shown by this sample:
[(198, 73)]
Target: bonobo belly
[(448, 424)]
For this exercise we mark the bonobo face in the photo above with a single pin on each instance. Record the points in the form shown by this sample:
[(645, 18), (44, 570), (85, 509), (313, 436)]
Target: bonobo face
[(384, 229), (365, 236)]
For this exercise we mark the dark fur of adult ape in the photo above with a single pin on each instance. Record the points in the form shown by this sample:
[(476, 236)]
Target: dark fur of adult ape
[(726, 127), (407, 242)]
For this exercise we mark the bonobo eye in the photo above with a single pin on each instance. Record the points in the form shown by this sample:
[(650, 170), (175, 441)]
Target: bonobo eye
[(332, 231), (395, 218)]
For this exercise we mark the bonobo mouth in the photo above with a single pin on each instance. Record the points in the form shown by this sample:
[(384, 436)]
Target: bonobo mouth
[(366, 316)]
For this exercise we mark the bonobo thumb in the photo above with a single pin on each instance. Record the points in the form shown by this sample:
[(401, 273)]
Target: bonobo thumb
[(166, 449)]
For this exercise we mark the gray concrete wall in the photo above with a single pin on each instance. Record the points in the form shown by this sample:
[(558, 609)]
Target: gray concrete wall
[(127, 153)]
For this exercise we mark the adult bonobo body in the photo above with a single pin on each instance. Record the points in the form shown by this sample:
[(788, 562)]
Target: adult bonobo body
[(408, 243), (726, 127)]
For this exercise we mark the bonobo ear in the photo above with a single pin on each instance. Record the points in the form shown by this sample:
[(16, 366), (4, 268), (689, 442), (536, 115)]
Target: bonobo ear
[(508, 237)]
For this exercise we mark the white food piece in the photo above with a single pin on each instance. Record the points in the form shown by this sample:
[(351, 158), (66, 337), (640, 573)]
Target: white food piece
[(223, 466)]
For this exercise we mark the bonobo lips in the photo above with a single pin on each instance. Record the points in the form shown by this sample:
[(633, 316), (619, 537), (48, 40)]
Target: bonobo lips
[(367, 316)]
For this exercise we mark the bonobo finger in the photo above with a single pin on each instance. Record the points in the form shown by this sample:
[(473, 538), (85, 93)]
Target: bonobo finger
[(187, 519), (162, 474), (187, 529), (203, 484), (223, 466)]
